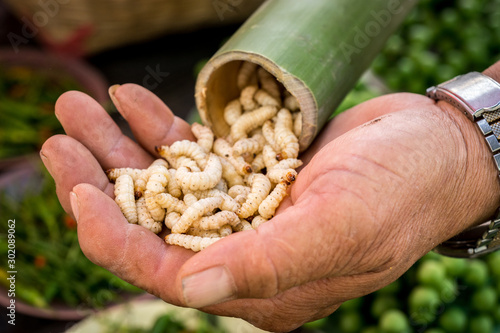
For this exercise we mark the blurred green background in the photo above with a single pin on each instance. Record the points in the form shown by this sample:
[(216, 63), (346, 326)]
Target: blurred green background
[(439, 40)]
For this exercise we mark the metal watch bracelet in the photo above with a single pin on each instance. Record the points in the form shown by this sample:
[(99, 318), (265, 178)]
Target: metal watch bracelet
[(478, 96)]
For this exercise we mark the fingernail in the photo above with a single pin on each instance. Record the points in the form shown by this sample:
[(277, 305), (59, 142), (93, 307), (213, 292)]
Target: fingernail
[(73, 199), (45, 161), (111, 92), (211, 286)]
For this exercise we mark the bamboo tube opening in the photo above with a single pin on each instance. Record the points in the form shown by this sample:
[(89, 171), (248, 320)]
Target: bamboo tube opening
[(217, 85)]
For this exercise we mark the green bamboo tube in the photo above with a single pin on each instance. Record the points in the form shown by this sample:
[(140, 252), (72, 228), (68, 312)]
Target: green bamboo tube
[(317, 49)]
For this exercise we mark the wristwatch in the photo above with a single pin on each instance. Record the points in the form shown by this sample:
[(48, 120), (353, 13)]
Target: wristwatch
[(478, 96)]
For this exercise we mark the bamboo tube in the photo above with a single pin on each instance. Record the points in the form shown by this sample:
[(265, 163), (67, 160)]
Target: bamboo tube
[(317, 49)]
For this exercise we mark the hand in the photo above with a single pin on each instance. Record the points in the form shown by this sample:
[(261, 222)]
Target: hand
[(383, 184)]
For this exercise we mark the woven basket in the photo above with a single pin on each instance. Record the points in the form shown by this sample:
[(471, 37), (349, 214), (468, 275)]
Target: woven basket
[(82, 27)]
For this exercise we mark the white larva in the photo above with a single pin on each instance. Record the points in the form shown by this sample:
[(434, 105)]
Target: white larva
[(142, 180), (172, 186), (297, 124), (260, 187), (189, 199), (228, 203), (269, 156), (200, 180), (194, 243), (284, 136), (236, 190), (223, 149), (204, 136), (282, 175), (144, 218), (225, 230), (268, 132), (124, 197), (263, 98), (247, 98), (258, 163), (269, 83), (229, 173), (195, 212), (189, 149), (257, 221), (289, 163), (203, 233), (251, 145), (170, 203), (247, 70), (268, 206), (114, 173), (243, 226), (251, 120), (171, 219), (157, 183), (217, 220), (291, 103), (232, 111)]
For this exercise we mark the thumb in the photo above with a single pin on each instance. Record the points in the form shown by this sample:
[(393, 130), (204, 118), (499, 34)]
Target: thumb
[(261, 263)]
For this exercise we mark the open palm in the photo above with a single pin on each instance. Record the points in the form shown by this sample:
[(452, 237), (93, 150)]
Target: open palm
[(384, 183)]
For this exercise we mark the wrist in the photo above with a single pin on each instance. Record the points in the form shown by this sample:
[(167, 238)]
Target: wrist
[(493, 71), (471, 100)]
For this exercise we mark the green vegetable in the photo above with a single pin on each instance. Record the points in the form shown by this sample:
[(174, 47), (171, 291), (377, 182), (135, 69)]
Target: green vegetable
[(27, 100), (53, 267), (394, 321), (431, 273), (423, 304), (455, 267), (350, 322), (454, 320), (477, 273), (382, 303), (485, 299), (481, 324)]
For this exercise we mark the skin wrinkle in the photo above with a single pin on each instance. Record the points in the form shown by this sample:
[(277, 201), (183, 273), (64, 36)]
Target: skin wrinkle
[(334, 266), (377, 164), (276, 284), (289, 250)]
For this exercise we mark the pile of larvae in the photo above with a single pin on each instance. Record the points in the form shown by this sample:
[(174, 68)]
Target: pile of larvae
[(205, 190)]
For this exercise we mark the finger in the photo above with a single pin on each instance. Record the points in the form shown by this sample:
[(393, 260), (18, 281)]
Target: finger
[(86, 121), (151, 121), (274, 258), (71, 163), (130, 251)]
